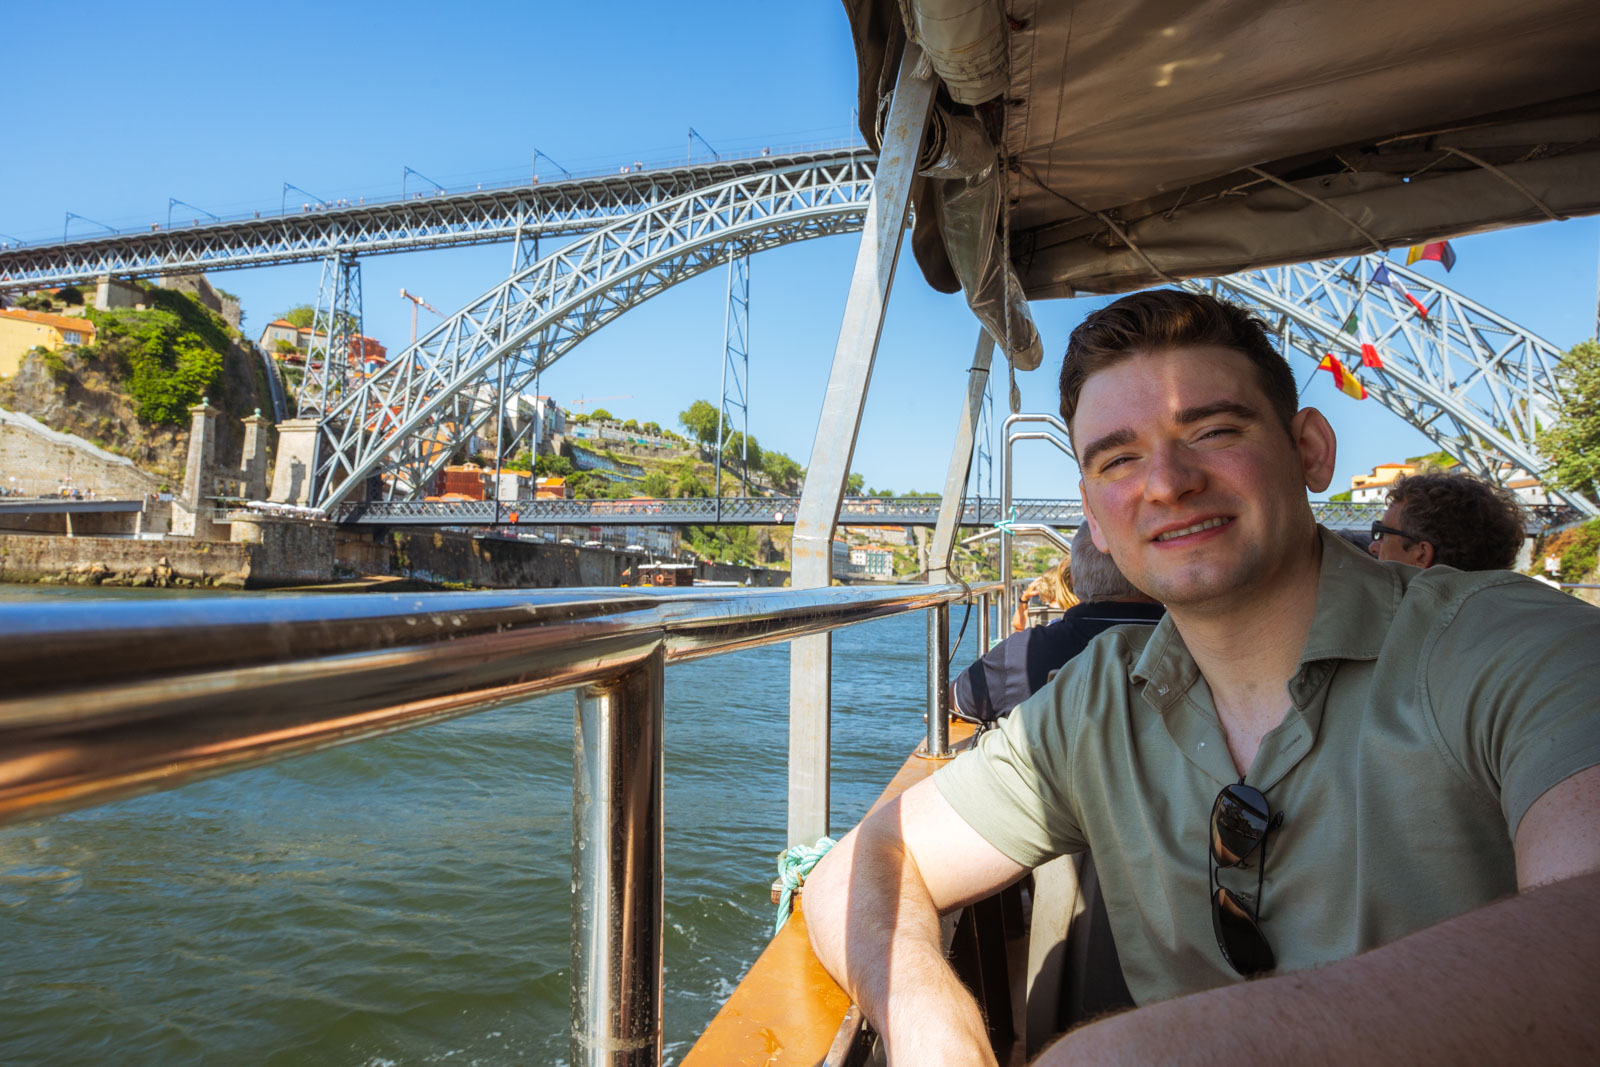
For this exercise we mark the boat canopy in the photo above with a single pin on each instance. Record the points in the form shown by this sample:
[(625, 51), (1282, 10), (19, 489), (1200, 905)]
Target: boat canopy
[(1148, 141)]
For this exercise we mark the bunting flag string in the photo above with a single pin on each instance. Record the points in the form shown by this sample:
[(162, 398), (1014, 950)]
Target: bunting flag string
[(1346, 382)]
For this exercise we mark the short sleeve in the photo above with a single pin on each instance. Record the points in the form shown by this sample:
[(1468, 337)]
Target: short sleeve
[(1011, 671), (1513, 685), (1013, 787)]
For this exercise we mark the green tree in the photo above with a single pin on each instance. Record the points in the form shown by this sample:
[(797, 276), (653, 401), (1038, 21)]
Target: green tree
[(783, 471), (734, 449), (854, 483), (652, 428), (689, 484), (656, 484), (631, 424), (300, 315), (1573, 443), (603, 415), (70, 295), (558, 466), (701, 422)]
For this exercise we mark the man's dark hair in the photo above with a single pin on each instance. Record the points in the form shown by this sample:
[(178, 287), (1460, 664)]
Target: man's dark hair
[(1161, 319), (1472, 524)]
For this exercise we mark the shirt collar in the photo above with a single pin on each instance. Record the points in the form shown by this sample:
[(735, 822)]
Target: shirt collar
[(1357, 598)]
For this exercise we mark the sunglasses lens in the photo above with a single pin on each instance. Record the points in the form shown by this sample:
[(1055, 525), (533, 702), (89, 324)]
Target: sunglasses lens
[(1242, 943), (1238, 823)]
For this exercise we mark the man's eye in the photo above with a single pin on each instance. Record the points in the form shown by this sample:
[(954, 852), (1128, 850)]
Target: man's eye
[(1217, 431), (1108, 464)]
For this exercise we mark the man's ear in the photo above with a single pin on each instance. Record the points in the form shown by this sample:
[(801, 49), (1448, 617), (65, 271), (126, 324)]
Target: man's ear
[(1088, 516), (1426, 556), (1318, 447)]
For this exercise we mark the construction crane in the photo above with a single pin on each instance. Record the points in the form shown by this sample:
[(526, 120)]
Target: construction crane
[(582, 400), (415, 302)]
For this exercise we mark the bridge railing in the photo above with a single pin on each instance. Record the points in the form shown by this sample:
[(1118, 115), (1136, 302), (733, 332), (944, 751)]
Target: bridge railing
[(114, 699), (780, 511)]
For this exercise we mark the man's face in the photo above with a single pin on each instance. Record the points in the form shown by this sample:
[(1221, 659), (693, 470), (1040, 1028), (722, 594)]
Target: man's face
[(1393, 549), (1192, 484)]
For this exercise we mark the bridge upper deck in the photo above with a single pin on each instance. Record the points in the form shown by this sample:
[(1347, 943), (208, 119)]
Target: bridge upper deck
[(432, 219)]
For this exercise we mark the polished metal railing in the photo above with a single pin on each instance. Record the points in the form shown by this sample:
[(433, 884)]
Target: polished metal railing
[(111, 699)]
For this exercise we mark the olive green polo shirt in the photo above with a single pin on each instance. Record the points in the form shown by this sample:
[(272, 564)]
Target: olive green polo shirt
[(1430, 709)]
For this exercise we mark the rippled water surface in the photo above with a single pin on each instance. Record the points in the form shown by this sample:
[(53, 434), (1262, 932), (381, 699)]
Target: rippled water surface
[(405, 900)]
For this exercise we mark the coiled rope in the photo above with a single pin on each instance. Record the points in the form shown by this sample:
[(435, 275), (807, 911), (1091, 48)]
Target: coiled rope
[(793, 866)]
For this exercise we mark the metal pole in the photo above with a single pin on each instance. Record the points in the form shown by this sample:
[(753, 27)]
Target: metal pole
[(983, 624), (1003, 623), (617, 870), (955, 478), (938, 743), (811, 658)]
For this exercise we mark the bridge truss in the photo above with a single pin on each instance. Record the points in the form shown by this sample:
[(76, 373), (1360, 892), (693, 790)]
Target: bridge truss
[(1477, 384), (1474, 382), (395, 429)]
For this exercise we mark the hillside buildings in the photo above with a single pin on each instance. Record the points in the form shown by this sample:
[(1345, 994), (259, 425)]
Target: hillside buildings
[(21, 331)]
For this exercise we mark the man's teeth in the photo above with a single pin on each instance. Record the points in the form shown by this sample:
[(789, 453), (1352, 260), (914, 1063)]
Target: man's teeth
[(1187, 530)]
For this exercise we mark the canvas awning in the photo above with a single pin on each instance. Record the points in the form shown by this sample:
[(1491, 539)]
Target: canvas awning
[(1147, 141)]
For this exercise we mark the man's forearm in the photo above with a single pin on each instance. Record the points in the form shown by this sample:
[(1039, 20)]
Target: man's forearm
[(874, 927), (1514, 982)]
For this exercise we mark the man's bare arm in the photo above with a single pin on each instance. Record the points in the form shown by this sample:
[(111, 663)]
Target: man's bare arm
[(1514, 982), (872, 907)]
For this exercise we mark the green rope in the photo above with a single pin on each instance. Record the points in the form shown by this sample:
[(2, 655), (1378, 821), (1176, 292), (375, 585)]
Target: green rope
[(1009, 521), (793, 866)]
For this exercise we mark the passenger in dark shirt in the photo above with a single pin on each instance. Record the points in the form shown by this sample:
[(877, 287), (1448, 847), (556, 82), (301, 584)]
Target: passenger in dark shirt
[(1020, 665)]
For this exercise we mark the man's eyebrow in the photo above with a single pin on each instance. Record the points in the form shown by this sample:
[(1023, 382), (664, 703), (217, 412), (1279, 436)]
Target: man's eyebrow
[(1114, 439), (1221, 407)]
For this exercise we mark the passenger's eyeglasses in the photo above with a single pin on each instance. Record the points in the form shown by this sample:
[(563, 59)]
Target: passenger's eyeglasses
[(1379, 530), (1240, 819)]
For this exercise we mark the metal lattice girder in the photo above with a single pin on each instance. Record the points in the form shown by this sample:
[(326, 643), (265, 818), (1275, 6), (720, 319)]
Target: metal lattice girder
[(780, 511), (1477, 384), (548, 209), (337, 321), (408, 417)]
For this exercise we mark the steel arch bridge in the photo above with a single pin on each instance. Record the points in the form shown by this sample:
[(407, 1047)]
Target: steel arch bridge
[(1477, 384), (402, 424)]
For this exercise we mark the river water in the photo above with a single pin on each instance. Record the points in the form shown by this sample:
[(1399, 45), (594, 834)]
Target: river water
[(406, 900)]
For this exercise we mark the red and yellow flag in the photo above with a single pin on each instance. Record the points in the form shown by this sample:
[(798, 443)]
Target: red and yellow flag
[(1348, 383)]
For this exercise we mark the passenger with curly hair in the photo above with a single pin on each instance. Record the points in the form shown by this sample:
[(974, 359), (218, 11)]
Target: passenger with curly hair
[(1450, 518)]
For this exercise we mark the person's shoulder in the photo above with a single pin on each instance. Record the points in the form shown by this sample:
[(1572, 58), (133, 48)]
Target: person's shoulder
[(1509, 608)]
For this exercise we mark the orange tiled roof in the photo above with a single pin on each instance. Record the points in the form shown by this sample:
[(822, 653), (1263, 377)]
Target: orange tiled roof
[(56, 322)]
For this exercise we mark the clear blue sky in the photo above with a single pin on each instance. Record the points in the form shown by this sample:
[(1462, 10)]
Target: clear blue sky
[(219, 105)]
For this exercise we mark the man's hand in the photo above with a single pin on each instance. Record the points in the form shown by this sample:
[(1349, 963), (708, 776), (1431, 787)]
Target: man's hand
[(872, 907)]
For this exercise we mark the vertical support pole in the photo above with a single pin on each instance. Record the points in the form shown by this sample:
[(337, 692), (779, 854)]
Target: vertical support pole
[(938, 744), (1004, 622), (811, 658), (955, 478), (617, 870), (735, 371), (983, 624)]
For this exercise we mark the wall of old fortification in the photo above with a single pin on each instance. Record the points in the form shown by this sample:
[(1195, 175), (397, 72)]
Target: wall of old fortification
[(34, 458)]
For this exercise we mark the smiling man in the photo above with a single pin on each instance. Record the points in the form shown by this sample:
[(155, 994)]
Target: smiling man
[(1372, 788)]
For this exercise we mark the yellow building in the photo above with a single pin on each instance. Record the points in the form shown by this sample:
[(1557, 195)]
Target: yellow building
[(21, 330), (1373, 488)]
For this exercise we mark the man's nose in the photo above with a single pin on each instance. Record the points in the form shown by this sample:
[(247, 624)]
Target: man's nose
[(1172, 474), (1372, 548)]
